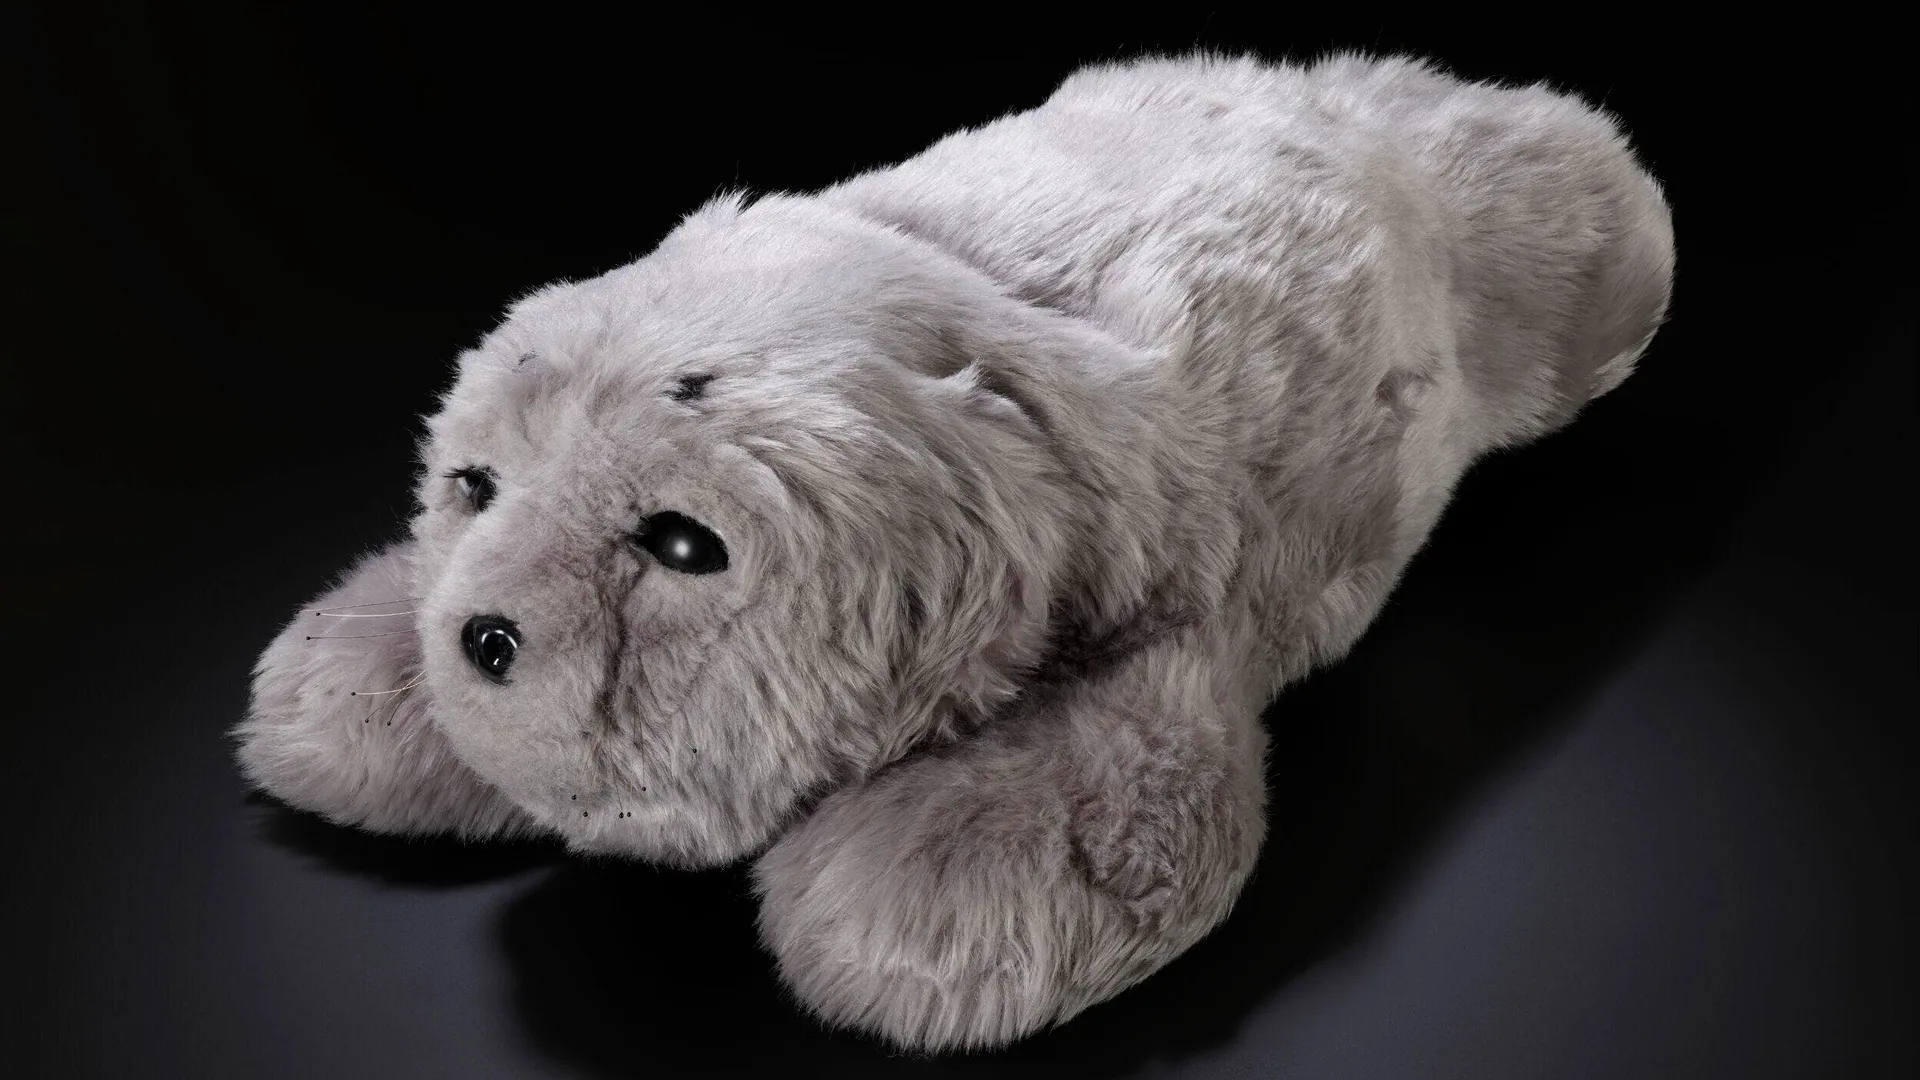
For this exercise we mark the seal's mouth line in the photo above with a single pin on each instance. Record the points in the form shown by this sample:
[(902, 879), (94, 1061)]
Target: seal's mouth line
[(610, 675)]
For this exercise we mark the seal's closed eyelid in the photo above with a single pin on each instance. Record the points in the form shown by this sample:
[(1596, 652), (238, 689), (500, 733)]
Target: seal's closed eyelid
[(690, 387), (475, 483)]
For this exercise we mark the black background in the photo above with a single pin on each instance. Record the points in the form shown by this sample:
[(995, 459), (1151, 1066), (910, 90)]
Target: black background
[(1616, 787)]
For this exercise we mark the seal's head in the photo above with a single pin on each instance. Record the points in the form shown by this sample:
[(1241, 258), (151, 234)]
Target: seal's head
[(708, 536)]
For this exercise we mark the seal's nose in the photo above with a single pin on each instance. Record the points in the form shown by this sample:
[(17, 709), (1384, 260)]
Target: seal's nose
[(491, 642)]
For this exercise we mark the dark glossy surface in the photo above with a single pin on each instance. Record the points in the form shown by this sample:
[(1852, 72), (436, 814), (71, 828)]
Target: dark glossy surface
[(682, 544), (490, 642), (1618, 786)]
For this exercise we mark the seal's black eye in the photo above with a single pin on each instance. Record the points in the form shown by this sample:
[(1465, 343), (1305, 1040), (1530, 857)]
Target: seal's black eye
[(681, 543), (474, 485)]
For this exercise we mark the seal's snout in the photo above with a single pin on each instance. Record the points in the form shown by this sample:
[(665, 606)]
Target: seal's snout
[(491, 642)]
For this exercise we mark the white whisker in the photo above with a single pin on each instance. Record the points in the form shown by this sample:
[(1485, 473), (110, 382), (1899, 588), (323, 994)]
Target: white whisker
[(395, 690), (377, 603), (393, 710), (392, 705), (381, 615), (357, 637)]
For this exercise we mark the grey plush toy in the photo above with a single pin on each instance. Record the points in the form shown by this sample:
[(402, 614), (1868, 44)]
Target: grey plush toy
[(938, 539)]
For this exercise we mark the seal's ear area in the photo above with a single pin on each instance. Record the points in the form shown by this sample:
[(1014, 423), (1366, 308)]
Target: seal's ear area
[(515, 382), (340, 724), (998, 885), (996, 395)]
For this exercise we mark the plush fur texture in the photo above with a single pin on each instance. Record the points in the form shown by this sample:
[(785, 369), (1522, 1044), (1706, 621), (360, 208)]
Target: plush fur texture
[(1041, 461)]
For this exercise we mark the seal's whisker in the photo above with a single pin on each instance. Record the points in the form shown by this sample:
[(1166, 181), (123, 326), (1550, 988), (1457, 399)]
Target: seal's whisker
[(376, 603), (381, 615), (357, 637), (393, 710), (392, 707), (395, 690)]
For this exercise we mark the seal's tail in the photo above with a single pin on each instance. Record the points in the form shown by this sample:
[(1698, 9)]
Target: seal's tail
[(1562, 241)]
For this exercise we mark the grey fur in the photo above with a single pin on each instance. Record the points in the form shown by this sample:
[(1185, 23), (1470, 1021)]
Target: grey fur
[(1043, 460)]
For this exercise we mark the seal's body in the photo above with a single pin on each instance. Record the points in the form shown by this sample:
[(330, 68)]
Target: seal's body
[(939, 538)]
